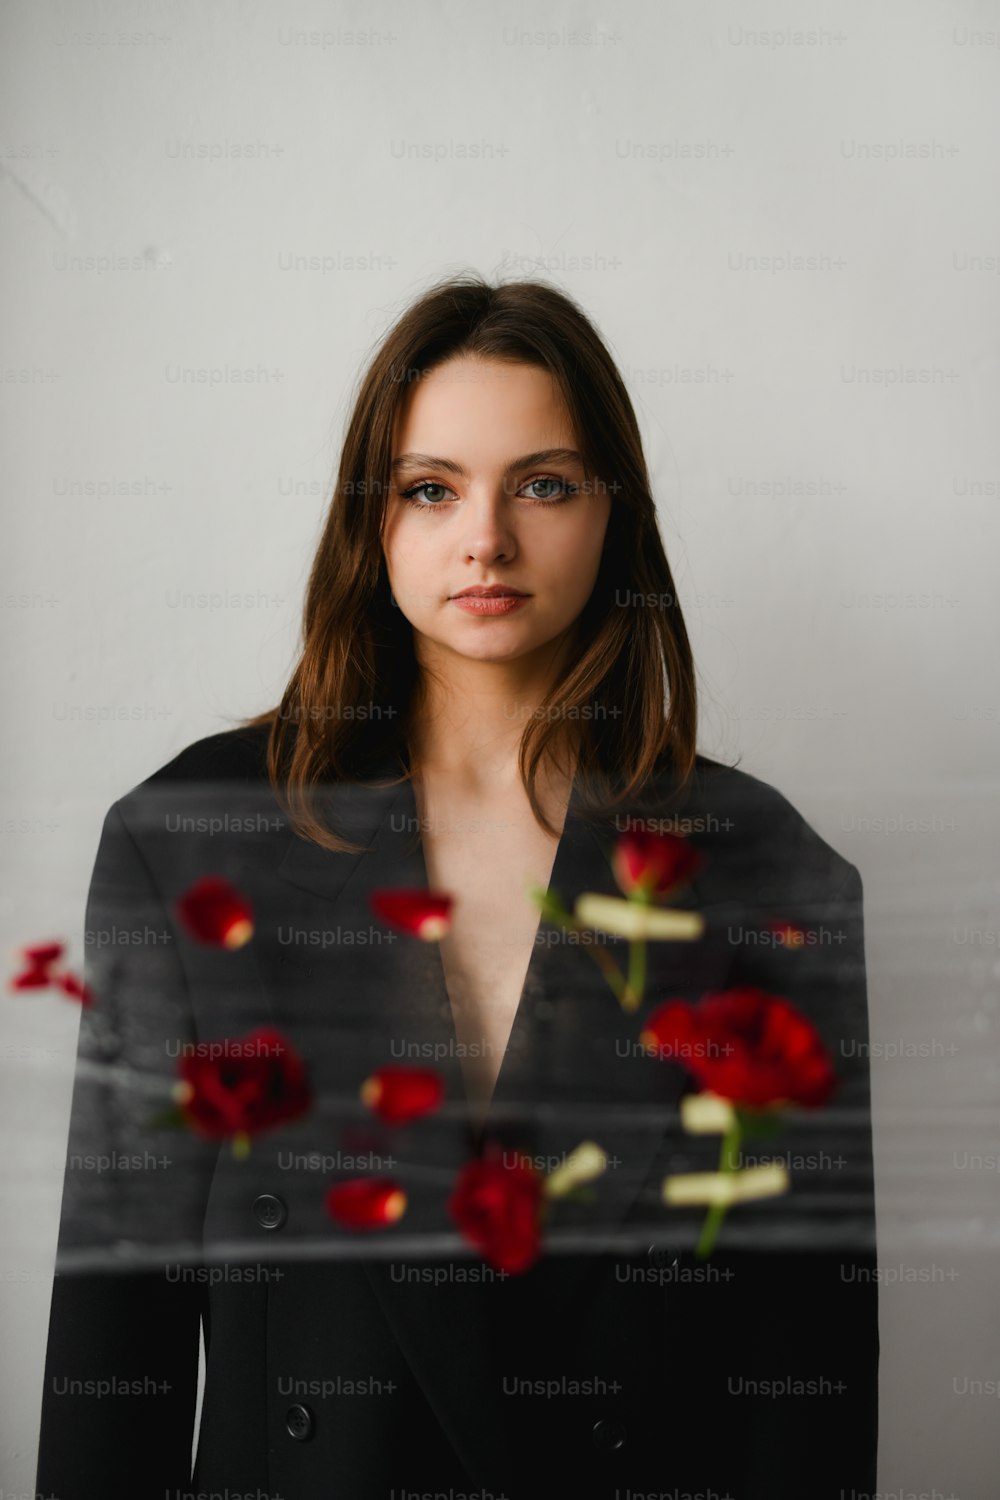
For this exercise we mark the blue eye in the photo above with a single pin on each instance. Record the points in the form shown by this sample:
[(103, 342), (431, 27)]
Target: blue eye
[(416, 489), (562, 488), (434, 494)]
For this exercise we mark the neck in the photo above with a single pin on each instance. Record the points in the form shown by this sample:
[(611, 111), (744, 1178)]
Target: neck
[(466, 725)]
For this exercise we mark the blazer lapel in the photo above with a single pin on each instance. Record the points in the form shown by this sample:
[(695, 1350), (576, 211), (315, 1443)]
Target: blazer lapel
[(573, 1071)]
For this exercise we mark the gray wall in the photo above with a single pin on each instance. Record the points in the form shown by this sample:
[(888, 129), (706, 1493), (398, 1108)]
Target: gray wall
[(822, 434)]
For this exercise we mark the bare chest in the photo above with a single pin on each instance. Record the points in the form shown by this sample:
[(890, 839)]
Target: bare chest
[(486, 859)]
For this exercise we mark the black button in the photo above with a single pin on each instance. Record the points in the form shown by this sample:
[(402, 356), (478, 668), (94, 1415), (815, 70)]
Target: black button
[(662, 1256), (608, 1436), (269, 1211), (300, 1423)]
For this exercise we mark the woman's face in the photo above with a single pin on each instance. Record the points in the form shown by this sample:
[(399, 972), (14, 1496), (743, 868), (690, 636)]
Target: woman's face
[(489, 449)]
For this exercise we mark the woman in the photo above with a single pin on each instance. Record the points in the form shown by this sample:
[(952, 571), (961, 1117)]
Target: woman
[(495, 682)]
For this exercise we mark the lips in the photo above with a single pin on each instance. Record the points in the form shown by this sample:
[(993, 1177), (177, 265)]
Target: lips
[(497, 591), (490, 602)]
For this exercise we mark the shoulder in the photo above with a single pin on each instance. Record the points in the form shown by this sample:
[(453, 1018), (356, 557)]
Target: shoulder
[(232, 755), (208, 807), (753, 827), (220, 776)]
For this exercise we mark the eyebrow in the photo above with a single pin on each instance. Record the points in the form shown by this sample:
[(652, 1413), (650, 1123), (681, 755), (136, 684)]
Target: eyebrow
[(529, 461)]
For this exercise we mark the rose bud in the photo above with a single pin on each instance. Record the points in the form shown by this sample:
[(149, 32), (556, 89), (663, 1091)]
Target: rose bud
[(399, 1094), (366, 1202), (651, 863), (213, 911), (422, 914)]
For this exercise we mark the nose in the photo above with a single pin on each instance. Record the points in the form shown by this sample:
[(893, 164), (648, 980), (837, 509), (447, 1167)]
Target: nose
[(488, 535)]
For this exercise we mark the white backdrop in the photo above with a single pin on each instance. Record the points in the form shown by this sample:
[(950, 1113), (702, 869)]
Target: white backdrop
[(784, 219)]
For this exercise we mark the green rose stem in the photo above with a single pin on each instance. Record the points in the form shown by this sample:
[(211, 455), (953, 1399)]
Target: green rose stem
[(729, 1162), (637, 959), (628, 992), (636, 971)]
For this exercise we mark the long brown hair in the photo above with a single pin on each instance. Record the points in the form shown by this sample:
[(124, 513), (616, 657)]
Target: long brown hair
[(630, 695)]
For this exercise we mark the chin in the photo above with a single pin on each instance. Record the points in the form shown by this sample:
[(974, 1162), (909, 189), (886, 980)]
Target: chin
[(495, 652)]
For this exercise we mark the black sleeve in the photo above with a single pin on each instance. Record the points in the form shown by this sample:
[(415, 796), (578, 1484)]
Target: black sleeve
[(803, 1387), (121, 1365)]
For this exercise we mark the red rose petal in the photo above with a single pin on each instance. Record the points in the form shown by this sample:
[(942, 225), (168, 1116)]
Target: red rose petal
[(41, 955), (31, 979), (41, 973), (400, 1094), (214, 911), (788, 935), (366, 1202), (422, 914), (74, 987)]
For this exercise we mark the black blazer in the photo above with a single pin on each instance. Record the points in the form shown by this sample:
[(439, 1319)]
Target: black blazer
[(358, 1364)]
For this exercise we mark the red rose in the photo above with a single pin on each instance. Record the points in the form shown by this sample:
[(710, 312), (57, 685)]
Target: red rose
[(252, 1083), (366, 1202), (497, 1207), (213, 911), (422, 914), (400, 1094), (747, 1046), (653, 862)]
